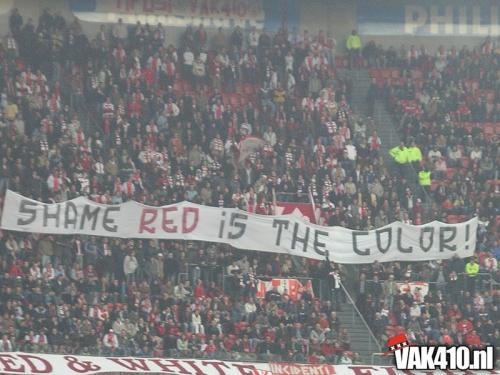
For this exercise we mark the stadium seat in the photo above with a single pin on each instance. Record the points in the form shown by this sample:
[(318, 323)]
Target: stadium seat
[(450, 173), (226, 99), (416, 74), (248, 89), (178, 87), (395, 73), (465, 162), (468, 126), (234, 100), (489, 129), (375, 73)]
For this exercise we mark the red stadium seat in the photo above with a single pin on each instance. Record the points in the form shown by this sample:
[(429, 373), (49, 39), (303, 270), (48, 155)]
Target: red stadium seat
[(434, 185), (395, 73), (386, 73), (178, 86), (187, 86), (450, 172), (465, 161), (468, 126), (489, 129), (417, 74), (234, 100), (375, 73), (248, 89)]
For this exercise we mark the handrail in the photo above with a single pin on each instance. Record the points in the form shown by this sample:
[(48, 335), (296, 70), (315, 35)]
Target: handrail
[(361, 316), (431, 282)]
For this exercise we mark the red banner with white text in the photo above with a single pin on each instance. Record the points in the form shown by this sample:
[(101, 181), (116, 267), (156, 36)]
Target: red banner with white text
[(291, 287)]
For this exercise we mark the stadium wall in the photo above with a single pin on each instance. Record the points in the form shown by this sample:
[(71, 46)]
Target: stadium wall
[(388, 22)]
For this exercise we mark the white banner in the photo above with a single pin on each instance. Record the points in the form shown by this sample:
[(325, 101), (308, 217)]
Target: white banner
[(181, 13), (52, 364), (285, 234)]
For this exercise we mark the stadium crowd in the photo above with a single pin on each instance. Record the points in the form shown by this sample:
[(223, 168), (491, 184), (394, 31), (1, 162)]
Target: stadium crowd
[(233, 119), (447, 105)]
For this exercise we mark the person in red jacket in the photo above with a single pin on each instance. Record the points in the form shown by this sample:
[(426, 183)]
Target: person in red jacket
[(464, 326), (199, 290), (473, 340)]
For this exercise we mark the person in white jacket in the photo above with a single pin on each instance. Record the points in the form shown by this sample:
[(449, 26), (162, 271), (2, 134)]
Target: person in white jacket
[(130, 265), (110, 340), (196, 323)]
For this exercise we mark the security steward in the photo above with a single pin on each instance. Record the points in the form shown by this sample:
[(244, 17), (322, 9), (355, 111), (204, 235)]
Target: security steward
[(400, 156), (415, 156), (425, 180)]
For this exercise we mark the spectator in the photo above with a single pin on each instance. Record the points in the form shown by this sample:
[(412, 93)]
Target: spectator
[(130, 265), (353, 45), (150, 134)]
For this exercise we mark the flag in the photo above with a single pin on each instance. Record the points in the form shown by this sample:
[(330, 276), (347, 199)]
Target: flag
[(291, 287), (274, 202), (311, 198), (248, 146)]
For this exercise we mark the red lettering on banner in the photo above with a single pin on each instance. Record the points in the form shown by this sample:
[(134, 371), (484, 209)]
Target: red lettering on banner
[(195, 367), (194, 6), (167, 367), (80, 366), (168, 6), (298, 369), (245, 369), (166, 222), (204, 8), (240, 9), (36, 364), (190, 219), (187, 210), (390, 371), (147, 6), (226, 8), (132, 364), (7, 362), (360, 370), (145, 221), (215, 10), (130, 5), (217, 365)]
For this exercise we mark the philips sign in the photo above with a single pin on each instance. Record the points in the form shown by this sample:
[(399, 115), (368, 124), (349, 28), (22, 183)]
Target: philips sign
[(429, 18)]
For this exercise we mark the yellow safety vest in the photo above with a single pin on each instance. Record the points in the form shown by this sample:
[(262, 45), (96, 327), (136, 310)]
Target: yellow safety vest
[(399, 155), (424, 178), (414, 154), (353, 42), (471, 269)]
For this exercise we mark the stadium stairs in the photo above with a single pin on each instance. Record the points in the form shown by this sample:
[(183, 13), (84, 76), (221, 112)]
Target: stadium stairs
[(389, 135), (385, 123), (362, 338)]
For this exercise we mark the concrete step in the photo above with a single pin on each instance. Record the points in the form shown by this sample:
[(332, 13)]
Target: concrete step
[(358, 332)]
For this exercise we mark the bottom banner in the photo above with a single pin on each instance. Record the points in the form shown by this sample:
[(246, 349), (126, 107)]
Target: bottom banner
[(27, 363)]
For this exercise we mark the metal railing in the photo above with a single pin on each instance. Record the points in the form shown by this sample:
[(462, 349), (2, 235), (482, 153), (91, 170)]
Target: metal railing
[(371, 336), (383, 359), (480, 277), (318, 285)]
